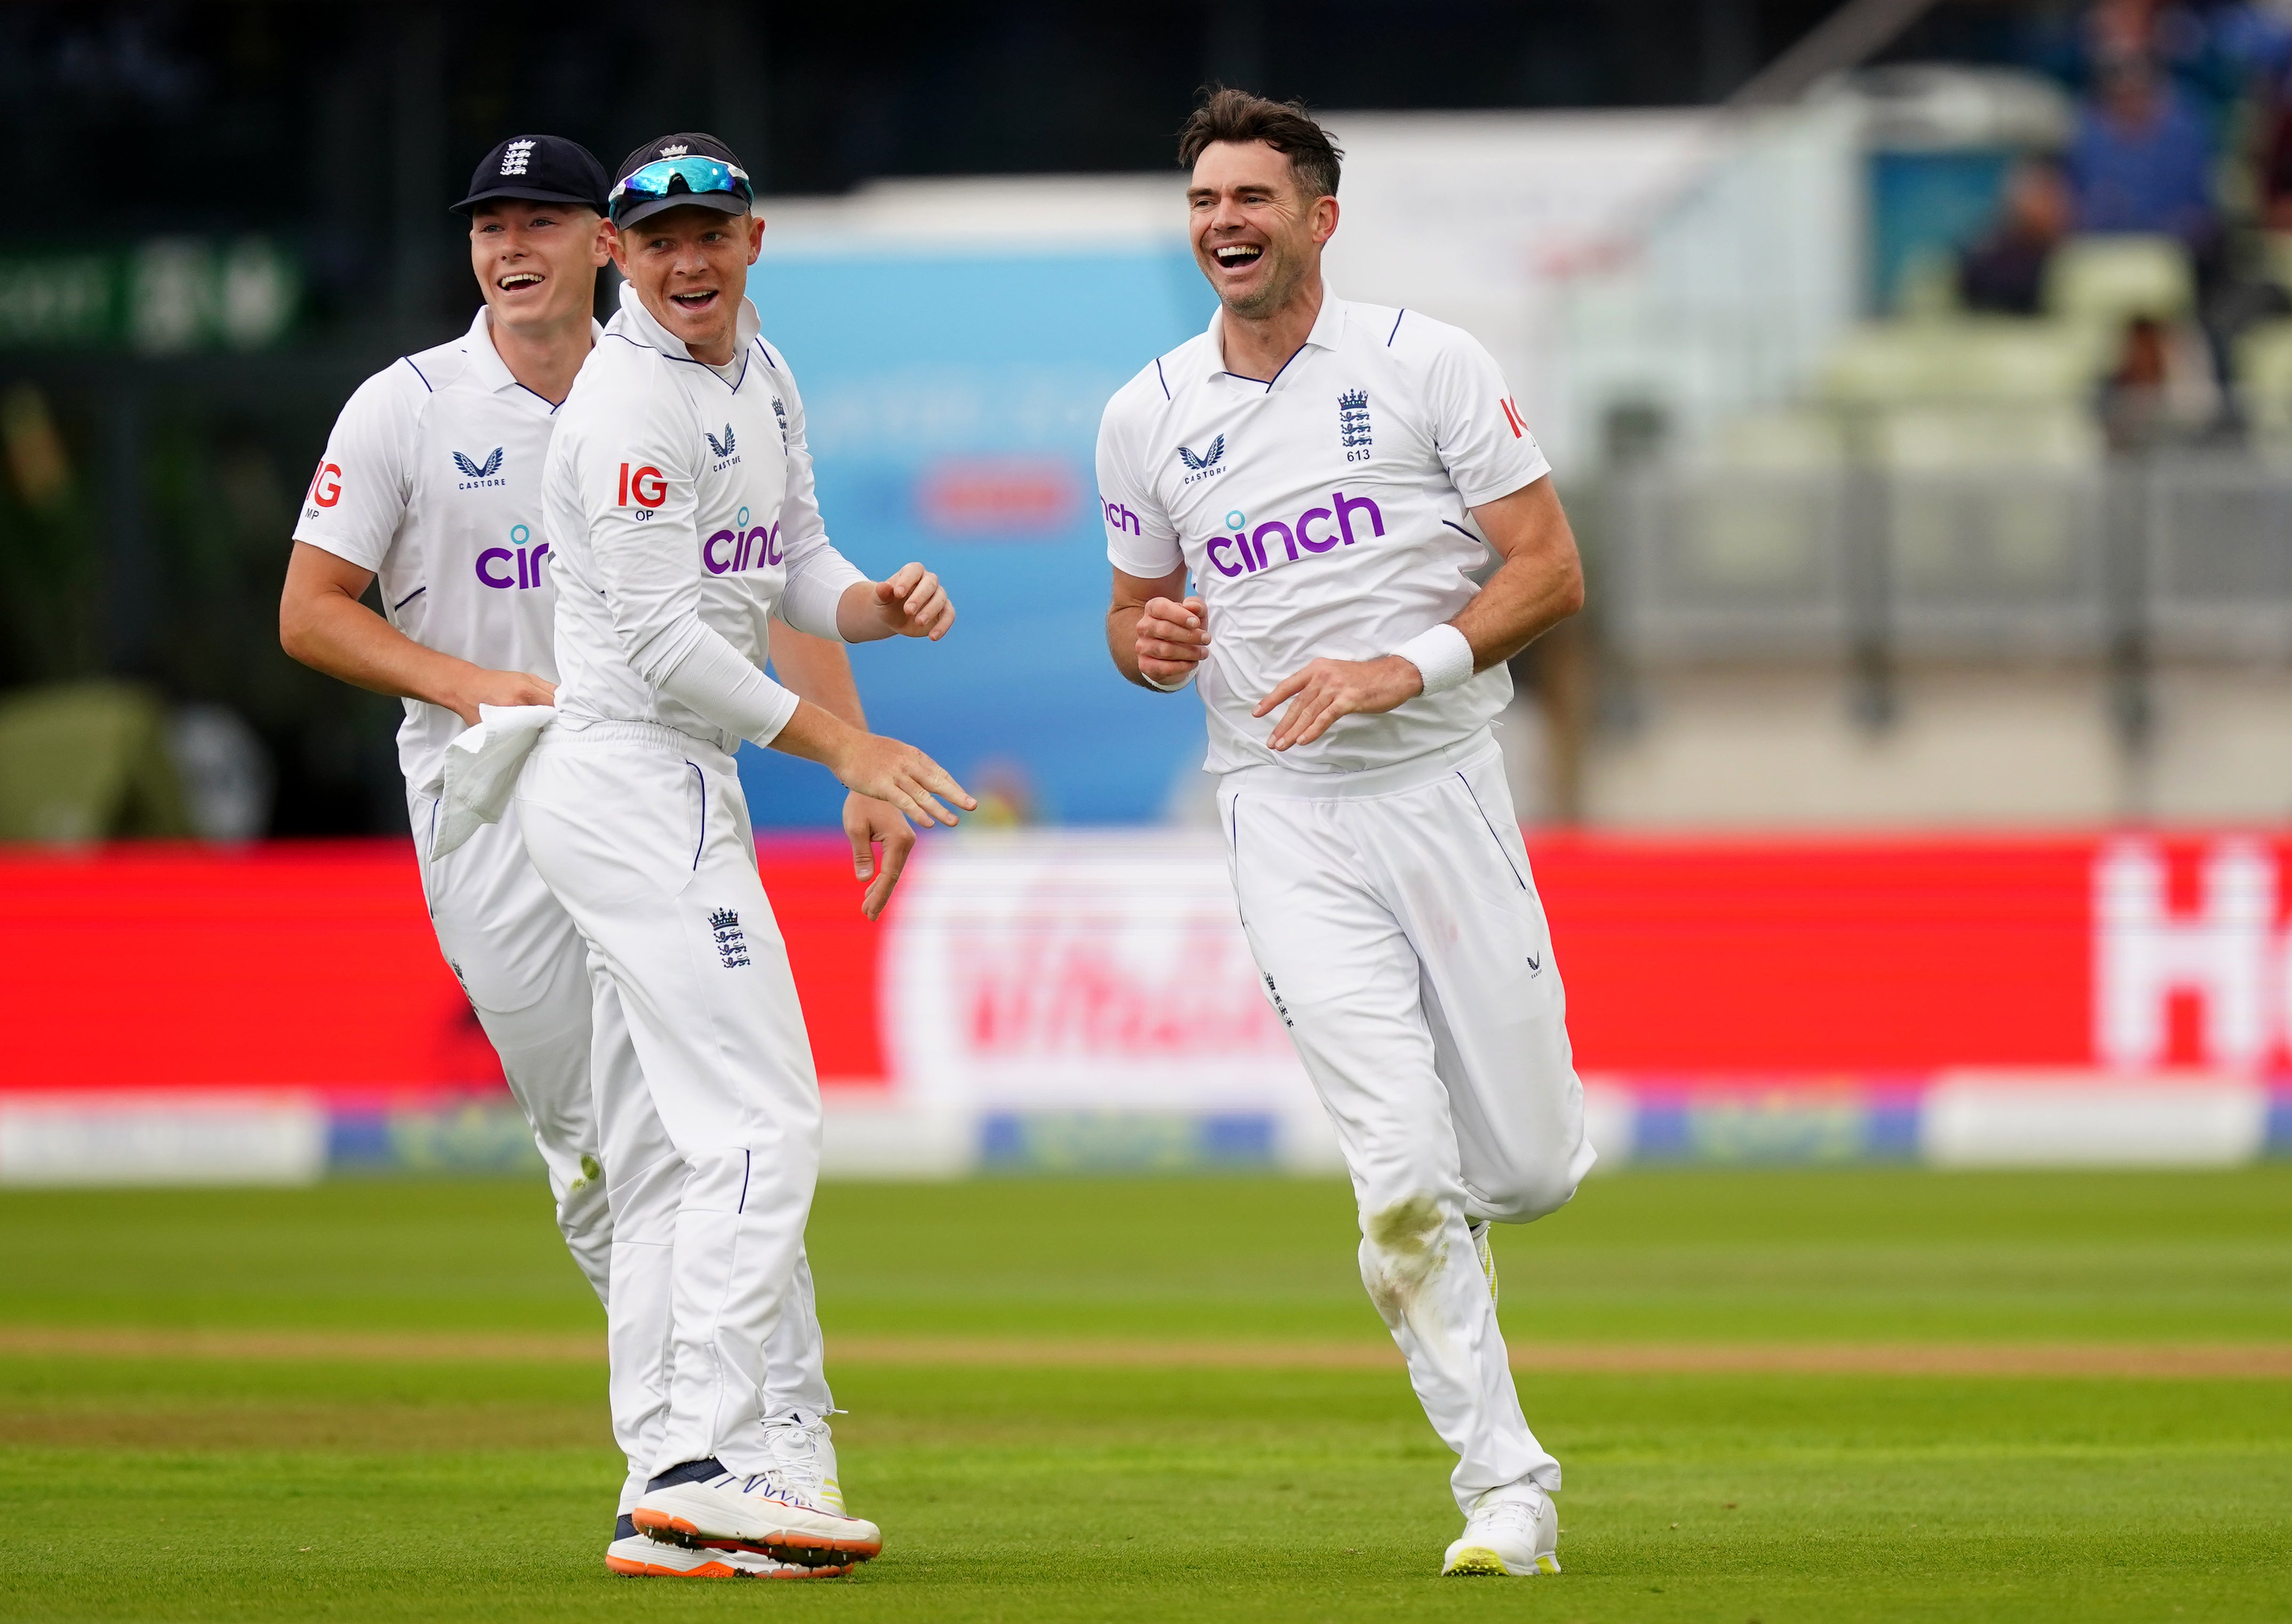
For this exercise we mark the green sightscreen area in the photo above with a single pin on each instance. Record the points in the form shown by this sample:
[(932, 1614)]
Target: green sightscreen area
[(372, 1399)]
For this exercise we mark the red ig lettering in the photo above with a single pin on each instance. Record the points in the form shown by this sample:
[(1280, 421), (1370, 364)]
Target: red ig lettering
[(645, 485), (326, 485)]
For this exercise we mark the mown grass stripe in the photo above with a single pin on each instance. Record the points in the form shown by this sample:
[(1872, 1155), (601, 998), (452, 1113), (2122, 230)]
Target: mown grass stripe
[(2195, 1361)]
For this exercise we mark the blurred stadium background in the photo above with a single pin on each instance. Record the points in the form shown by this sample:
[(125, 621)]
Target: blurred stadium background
[(1919, 375)]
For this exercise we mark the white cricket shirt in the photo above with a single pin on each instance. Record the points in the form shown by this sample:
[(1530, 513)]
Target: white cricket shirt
[(1325, 512), (432, 479), (679, 498)]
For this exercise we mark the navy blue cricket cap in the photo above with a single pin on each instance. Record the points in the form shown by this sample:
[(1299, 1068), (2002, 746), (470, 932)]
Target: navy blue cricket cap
[(539, 169), (691, 168)]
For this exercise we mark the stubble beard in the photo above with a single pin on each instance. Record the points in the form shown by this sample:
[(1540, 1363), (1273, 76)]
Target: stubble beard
[(1282, 276)]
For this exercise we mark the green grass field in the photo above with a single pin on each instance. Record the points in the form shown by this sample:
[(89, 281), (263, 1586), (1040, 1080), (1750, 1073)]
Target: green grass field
[(1069, 1401)]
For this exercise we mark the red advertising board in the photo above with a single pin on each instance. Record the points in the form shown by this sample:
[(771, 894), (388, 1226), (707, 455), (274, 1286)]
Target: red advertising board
[(311, 964), (1810, 956)]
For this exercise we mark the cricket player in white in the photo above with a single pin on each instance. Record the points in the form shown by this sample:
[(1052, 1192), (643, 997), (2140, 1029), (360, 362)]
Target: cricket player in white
[(679, 496), (1337, 477), (432, 484)]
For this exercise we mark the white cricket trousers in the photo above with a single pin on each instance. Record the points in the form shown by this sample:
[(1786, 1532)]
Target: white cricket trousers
[(526, 976), (553, 1017), (642, 834), (1400, 940)]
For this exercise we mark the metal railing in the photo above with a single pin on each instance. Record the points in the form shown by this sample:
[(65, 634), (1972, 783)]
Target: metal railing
[(2187, 557)]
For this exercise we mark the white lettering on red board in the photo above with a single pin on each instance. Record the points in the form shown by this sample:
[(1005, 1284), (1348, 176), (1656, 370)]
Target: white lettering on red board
[(2229, 954)]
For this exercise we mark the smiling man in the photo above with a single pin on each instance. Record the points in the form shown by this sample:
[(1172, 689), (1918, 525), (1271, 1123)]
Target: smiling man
[(679, 495), (430, 484), (1339, 478)]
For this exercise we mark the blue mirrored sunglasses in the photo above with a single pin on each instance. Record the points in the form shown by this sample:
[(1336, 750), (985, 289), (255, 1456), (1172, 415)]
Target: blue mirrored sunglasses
[(665, 177)]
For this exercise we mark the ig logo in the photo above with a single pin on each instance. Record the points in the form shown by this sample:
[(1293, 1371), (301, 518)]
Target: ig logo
[(529, 563), (326, 488)]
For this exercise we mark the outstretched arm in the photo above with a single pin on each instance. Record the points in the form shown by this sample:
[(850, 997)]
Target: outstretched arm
[(872, 764), (322, 624), (815, 669), (1539, 585)]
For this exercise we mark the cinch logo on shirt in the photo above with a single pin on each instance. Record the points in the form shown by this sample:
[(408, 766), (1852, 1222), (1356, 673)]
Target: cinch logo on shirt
[(1248, 550), (729, 551), (646, 487), (529, 564), (1119, 517)]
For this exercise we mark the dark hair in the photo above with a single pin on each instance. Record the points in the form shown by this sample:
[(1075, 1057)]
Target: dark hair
[(1225, 114)]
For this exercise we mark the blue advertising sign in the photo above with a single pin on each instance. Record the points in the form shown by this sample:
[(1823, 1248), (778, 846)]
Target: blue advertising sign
[(952, 401)]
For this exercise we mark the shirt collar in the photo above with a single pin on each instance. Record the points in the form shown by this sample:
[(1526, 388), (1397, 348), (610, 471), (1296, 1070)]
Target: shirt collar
[(486, 361), (646, 330), (1329, 325)]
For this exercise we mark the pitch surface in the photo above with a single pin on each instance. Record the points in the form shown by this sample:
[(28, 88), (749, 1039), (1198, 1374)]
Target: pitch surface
[(1158, 1400)]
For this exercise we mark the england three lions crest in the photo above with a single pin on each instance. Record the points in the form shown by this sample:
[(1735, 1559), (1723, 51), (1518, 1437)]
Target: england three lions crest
[(732, 941)]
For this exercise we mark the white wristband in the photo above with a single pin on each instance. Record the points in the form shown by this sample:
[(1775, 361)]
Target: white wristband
[(1169, 688), (1443, 654)]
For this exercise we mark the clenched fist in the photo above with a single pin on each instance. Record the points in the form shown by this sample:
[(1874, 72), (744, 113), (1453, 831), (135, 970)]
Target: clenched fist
[(1172, 639)]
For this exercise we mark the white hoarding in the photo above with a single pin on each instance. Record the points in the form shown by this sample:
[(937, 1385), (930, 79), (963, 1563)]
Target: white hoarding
[(1082, 971)]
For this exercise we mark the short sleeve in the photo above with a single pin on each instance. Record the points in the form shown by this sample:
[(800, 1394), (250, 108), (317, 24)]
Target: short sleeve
[(1483, 441), (1140, 539), (357, 497)]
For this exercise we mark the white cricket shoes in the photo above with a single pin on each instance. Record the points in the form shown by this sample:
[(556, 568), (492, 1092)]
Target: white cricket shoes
[(803, 1454), (702, 1505), (1517, 1536), (632, 1556)]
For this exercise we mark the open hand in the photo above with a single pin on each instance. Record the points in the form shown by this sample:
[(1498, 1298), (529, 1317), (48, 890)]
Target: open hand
[(869, 823), (912, 604), (1172, 639), (499, 688), (885, 770), (1327, 690)]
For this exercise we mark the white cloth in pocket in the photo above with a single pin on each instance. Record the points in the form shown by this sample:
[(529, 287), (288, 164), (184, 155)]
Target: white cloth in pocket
[(474, 785)]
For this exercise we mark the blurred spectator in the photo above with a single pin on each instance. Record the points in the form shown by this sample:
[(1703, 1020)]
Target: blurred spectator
[(2141, 161), (2005, 270), (2162, 390), (2216, 52), (2253, 43), (2119, 31), (2274, 178)]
